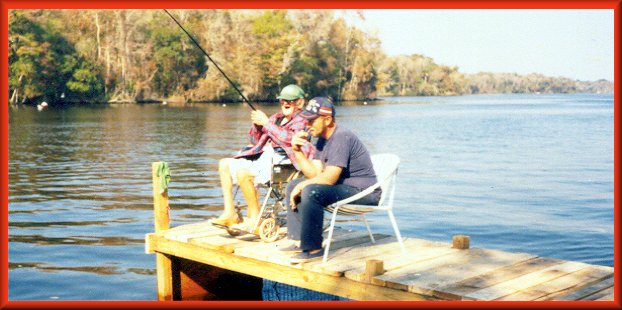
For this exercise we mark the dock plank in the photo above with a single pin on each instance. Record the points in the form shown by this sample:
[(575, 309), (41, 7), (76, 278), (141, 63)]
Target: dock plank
[(184, 236), (353, 240), (394, 259), (267, 249), (272, 253), (604, 295), (346, 258), (455, 291), (427, 276), (385, 246), (583, 277), (584, 292), (226, 242), (347, 251), (525, 281)]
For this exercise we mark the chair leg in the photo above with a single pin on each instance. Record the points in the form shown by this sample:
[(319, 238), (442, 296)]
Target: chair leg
[(263, 208), (371, 236), (330, 235), (397, 231)]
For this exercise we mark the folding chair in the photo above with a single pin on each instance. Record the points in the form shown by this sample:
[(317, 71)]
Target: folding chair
[(385, 166)]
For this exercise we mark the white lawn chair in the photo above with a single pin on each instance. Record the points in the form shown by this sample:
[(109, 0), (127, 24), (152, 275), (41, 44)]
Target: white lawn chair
[(385, 166)]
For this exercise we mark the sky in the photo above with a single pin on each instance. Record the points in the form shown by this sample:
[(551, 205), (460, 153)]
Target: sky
[(577, 44)]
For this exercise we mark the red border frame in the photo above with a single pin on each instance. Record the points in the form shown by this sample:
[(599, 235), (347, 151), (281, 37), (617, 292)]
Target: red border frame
[(5, 5)]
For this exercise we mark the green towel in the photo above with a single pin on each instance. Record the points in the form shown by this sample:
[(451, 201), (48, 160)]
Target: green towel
[(165, 176)]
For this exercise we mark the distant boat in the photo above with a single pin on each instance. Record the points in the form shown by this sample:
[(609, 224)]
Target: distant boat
[(42, 106)]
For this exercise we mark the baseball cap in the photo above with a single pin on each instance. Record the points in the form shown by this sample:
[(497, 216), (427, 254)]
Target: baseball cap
[(291, 92), (318, 106)]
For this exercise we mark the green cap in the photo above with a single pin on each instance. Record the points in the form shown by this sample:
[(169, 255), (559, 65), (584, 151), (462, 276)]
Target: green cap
[(291, 92)]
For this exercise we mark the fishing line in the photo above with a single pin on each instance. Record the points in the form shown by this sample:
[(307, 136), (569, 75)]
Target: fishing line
[(210, 58)]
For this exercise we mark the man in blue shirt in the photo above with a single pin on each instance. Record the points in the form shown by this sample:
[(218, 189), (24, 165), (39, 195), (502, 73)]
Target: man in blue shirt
[(340, 168)]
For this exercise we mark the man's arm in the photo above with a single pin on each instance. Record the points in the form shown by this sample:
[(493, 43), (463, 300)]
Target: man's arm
[(310, 168), (329, 176)]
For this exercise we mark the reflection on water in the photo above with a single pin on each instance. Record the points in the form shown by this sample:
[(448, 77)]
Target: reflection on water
[(79, 240), (519, 173)]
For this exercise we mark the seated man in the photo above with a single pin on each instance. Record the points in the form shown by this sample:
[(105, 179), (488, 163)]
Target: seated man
[(253, 165), (341, 167)]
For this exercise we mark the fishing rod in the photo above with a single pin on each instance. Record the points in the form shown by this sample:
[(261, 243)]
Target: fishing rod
[(210, 58)]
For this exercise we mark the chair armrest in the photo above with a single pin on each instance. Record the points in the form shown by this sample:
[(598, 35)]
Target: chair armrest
[(355, 197)]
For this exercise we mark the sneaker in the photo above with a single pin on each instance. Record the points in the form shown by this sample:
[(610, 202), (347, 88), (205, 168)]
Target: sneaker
[(224, 222), (246, 225), (306, 256), (291, 248)]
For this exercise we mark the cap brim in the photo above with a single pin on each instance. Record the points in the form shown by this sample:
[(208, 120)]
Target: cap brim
[(286, 98), (308, 115)]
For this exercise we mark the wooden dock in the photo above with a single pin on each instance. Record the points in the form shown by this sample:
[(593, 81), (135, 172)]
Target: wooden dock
[(200, 261), (431, 270)]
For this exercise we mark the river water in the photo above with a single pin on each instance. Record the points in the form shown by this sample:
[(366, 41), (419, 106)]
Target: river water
[(519, 173)]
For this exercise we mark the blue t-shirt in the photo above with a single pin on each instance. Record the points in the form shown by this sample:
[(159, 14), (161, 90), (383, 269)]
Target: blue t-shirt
[(345, 150)]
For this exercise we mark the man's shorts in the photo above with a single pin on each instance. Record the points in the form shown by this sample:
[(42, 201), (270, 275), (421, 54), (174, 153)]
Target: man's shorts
[(260, 168)]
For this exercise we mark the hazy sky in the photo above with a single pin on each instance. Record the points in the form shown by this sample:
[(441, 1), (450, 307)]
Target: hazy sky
[(572, 43)]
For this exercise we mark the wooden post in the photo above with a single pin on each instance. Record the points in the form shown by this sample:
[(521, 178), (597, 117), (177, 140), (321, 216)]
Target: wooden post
[(461, 242), (182, 279), (373, 267), (161, 220)]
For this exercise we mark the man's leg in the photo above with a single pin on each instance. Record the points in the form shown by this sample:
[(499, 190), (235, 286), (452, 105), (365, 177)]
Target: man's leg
[(293, 217), (246, 181), (314, 198), (229, 216)]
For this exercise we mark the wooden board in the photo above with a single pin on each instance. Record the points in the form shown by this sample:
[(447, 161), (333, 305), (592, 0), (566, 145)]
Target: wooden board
[(200, 232), (417, 252), (455, 291), (271, 252), (426, 276), (583, 277), (534, 278), (604, 295), (585, 291)]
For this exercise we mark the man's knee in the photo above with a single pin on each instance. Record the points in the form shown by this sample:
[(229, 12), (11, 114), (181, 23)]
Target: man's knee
[(313, 192), (223, 165), (244, 175)]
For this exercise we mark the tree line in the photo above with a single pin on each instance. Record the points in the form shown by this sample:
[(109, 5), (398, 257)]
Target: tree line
[(142, 55)]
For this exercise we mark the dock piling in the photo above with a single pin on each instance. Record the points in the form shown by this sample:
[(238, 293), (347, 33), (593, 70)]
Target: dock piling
[(162, 222), (461, 242), (373, 267)]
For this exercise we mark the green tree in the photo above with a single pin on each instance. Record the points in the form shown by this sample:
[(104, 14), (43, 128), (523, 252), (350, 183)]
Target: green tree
[(272, 33), (42, 62), (179, 63)]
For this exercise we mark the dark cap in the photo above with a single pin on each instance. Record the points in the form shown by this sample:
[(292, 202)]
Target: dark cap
[(318, 106)]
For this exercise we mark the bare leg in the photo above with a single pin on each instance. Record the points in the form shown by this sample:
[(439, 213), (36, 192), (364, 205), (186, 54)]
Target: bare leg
[(246, 181), (226, 184)]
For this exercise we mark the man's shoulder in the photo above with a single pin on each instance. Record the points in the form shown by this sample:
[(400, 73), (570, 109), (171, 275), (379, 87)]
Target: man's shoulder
[(344, 133)]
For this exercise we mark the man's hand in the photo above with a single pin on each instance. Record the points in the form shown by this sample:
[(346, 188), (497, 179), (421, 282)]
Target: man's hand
[(259, 118), (295, 194), (298, 140)]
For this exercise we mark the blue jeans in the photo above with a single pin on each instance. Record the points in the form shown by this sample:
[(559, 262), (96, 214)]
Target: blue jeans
[(306, 221)]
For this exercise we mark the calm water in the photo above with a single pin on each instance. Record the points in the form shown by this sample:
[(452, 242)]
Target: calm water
[(520, 173)]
